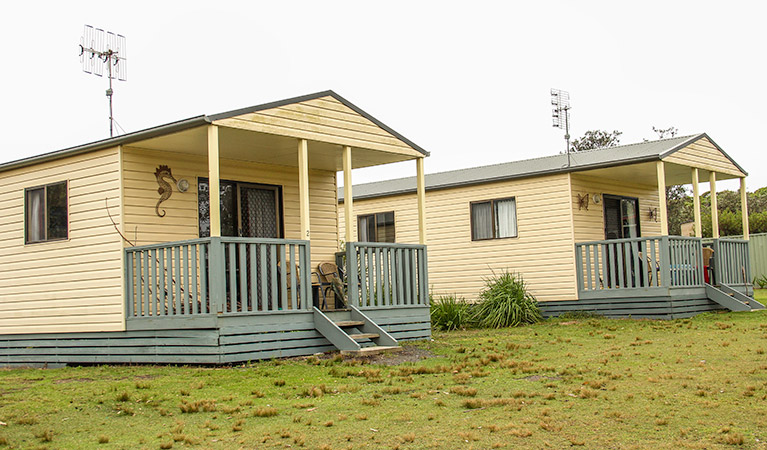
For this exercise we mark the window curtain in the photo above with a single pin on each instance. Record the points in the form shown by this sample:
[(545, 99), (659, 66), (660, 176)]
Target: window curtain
[(35, 215), (629, 210), (505, 218), (482, 221), (362, 228)]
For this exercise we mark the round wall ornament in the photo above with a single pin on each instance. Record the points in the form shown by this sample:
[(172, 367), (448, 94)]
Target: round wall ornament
[(182, 185)]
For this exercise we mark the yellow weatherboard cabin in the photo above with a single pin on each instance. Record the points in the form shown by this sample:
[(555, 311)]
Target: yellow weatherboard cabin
[(588, 235), (116, 251)]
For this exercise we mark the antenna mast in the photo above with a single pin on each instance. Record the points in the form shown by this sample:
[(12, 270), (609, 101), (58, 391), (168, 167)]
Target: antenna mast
[(99, 49), (560, 113)]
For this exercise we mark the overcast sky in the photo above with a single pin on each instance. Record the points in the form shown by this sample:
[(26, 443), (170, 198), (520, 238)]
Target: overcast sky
[(467, 81)]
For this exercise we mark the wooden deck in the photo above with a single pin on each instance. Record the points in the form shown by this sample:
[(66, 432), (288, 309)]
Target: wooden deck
[(658, 277), (232, 300)]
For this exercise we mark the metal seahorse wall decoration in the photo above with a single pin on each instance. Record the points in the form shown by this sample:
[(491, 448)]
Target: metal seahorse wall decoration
[(165, 189)]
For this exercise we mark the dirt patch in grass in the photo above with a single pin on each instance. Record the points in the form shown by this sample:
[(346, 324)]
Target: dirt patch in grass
[(73, 380), (541, 377), (144, 377), (408, 354)]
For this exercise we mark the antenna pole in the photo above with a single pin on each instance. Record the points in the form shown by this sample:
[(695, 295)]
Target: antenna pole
[(560, 100), (98, 49), (108, 58), (567, 134)]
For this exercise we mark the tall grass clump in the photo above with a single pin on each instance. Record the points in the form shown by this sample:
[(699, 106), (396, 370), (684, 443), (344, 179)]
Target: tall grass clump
[(450, 313), (505, 302)]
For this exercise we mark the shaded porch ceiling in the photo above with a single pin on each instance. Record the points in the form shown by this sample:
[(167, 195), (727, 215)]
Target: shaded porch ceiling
[(645, 173), (264, 148)]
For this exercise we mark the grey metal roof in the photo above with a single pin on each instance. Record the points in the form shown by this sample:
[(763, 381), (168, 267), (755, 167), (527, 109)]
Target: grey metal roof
[(193, 122), (590, 159)]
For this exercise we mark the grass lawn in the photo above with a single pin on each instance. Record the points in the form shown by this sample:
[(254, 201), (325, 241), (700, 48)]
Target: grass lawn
[(761, 295), (589, 383)]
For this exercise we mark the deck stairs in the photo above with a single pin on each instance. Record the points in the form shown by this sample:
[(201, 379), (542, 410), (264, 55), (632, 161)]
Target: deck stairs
[(731, 298), (352, 332)]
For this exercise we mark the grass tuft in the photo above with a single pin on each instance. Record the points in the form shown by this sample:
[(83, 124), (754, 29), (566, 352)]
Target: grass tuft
[(464, 391), (45, 435), (265, 411), (197, 406), (26, 420)]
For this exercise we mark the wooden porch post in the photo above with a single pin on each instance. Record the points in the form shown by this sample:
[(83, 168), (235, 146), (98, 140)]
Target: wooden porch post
[(303, 187), (214, 182), (216, 259), (348, 206), (421, 188), (661, 170), (744, 206), (696, 202), (714, 206)]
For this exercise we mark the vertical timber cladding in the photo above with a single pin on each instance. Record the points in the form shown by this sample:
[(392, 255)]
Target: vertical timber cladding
[(180, 223), (542, 252), (70, 285)]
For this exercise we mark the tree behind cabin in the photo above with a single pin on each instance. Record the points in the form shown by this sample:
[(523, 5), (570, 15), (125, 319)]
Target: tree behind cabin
[(596, 139)]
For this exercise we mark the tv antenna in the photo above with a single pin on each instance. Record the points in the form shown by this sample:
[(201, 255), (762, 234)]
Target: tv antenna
[(560, 114), (98, 50)]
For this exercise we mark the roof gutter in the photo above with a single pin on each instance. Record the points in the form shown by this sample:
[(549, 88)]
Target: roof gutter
[(149, 133)]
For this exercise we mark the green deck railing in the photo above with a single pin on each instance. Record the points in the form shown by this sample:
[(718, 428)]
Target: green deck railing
[(228, 275), (732, 264), (639, 264), (386, 275)]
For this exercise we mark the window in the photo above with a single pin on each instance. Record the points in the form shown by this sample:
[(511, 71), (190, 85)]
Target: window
[(228, 195), (377, 227), (494, 219), (46, 216)]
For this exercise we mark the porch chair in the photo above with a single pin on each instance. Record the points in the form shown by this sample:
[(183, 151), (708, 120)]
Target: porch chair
[(651, 270), (708, 269), (331, 280), (298, 284)]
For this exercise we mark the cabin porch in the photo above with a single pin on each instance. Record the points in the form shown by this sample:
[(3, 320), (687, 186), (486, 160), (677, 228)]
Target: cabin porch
[(215, 279), (224, 300), (660, 277)]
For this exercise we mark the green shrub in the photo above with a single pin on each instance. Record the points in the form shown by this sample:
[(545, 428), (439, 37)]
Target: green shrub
[(449, 313), (761, 282), (505, 302)]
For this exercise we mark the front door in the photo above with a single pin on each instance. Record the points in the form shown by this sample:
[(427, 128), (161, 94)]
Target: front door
[(259, 211), (247, 210), (621, 222), (621, 217)]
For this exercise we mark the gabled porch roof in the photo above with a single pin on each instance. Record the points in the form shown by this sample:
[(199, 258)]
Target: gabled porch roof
[(267, 133), (631, 161)]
